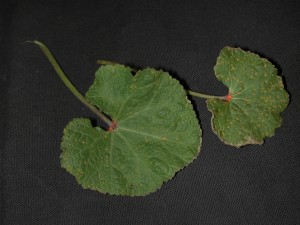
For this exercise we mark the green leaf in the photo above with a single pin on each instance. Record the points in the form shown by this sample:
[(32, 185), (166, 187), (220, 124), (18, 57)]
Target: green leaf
[(255, 100), (156, 133)]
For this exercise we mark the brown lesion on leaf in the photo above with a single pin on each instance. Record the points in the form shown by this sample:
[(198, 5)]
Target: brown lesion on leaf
[(113, 126), (251, 140)]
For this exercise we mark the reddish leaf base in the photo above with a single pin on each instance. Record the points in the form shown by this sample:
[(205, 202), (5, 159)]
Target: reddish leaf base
[(113, 126), (228, 97)]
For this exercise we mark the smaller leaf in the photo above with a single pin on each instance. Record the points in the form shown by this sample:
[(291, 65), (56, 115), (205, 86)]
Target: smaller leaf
[(255, 100)]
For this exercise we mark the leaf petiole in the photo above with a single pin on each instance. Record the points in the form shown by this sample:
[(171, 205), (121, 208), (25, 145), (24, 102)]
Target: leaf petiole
[(200, 95), (69, 85)]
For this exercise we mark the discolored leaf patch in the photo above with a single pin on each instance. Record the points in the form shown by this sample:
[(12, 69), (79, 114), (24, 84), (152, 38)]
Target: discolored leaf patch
[(255, 99)]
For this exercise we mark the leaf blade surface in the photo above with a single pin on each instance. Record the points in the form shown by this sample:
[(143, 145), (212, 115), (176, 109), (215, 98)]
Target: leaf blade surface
[(157, 133), (257, 97)]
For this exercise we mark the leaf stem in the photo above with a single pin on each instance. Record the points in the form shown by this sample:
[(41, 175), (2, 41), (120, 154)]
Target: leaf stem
[(69, 85), (200, 95)]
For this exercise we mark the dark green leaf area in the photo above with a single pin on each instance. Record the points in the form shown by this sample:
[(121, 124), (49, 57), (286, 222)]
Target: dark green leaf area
[(157, 133), (258, 98)]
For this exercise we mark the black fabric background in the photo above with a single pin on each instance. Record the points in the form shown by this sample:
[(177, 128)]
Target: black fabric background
[(225, 185)]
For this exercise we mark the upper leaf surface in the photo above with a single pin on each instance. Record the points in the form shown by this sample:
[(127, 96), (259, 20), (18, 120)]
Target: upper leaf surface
[(157, 133), (257, 98)]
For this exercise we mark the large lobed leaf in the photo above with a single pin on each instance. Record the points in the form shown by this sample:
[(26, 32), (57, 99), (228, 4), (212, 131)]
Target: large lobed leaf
[(255, 100), (157, 133)]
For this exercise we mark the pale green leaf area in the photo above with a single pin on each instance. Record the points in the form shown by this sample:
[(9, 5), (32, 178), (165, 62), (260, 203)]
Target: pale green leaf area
[(157, 133), (257, 98)]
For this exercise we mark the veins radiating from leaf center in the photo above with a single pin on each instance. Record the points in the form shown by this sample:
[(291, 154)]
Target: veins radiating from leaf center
[(131, 149), (149, 103), (122, 106), (136, 156), (149, 135), (246, 100), (137, 112), (166, 140)]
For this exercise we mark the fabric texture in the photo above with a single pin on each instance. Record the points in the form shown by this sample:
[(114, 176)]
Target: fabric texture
[(224, 185)]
